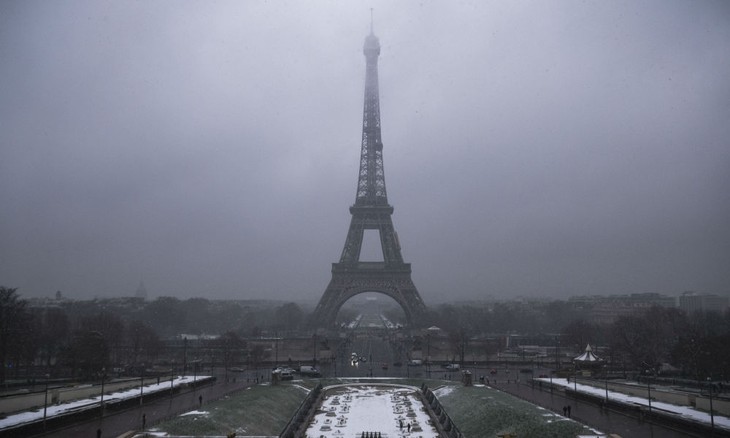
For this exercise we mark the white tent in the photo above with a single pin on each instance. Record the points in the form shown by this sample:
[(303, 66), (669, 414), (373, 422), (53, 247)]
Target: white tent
[(587, 357)]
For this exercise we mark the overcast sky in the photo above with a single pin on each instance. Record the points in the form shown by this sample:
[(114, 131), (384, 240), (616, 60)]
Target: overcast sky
[(211, 148)]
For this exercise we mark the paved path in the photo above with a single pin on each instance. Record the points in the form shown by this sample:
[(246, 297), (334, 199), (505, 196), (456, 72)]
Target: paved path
[(117, 423), (606, 421)]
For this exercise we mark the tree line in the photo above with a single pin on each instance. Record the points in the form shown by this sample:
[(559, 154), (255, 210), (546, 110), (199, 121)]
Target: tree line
[(656, 340), (81, 337)]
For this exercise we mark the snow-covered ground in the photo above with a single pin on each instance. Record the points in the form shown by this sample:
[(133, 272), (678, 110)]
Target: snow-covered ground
[(687, 412), (92, 402), (348, 411)]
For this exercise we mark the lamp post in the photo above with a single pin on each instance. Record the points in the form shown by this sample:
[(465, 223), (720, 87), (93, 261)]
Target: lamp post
[(101, 402), (605, 381), (141, 385), (45, 403), (185, 356), (428, 354), (276, 348), (551, 381), (195, 374), (172, 376), (648, 388), (712, 414), (314, 349)]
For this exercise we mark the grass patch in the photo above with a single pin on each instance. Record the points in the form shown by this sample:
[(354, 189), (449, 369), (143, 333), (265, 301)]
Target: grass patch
[(258, 410), (480, 411)]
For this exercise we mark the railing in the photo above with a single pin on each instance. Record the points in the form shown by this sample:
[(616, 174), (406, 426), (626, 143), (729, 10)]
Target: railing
[(301, 417), (447, 425)]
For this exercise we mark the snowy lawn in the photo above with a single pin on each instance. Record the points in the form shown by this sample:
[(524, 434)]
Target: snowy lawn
[(480, 411), (260, 410)]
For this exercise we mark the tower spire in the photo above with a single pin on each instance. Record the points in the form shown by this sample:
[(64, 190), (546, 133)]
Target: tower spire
[(371, 183), (371, 21)]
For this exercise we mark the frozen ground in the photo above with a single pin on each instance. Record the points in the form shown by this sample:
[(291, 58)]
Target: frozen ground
[(92, 402), (681, 411), (348, 411)]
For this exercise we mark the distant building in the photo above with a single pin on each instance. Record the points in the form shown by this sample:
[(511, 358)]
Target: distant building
[(606, 309), (692, 302), (141, 291)]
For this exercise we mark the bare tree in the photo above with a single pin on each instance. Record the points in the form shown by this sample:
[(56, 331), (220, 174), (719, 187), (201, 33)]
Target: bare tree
[(14, 323)]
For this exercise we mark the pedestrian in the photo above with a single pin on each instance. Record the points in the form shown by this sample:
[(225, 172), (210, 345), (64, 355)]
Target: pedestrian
[(144, 421), (98, 433), (400, 424), (568, 411), (565, 411), (409, 427), (200, 400)]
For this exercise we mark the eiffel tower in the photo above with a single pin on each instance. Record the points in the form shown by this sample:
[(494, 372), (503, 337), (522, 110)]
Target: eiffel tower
[(371, 211)]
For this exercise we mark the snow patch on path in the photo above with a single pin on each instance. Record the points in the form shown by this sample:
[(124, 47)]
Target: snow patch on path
[(348, 411)]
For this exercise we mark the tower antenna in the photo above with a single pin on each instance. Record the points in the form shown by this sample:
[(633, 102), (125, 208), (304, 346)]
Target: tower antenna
[(371, 21)]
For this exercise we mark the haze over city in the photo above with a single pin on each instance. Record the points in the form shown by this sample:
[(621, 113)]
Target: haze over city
[(212, 148)]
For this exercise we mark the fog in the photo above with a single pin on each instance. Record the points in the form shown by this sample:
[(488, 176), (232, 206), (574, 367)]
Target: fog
[(212, 148)]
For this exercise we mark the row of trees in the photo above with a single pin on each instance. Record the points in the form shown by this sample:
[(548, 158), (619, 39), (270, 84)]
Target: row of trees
[(656, 340), (52, 338), (82, 338)]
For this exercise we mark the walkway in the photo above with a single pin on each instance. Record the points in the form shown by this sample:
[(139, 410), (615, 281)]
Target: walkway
[(118, 423), (604, 420)]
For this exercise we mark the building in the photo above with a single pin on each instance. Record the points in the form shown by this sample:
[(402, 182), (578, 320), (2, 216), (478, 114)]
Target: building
[(692, 302)]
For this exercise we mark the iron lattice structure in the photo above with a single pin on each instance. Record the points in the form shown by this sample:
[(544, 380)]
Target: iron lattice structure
[(371, 211)]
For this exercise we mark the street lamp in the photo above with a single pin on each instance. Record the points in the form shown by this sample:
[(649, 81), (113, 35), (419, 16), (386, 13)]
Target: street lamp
[(45, 403), (712, 414), (605, 381), (276, 348), (551, 381), (648, 388), (428, 354), (141, 385), (195, 374), (314, 349), (101, 402), (172, 376)]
